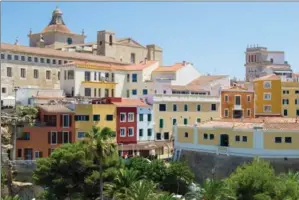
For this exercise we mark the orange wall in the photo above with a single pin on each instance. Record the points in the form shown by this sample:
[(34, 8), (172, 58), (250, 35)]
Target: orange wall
[(231, 102)]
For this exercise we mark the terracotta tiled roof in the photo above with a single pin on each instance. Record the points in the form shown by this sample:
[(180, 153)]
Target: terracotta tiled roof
[(58, 108), (58, 54), (125, 102), (57, 28), (172, 68), (268, 77), (282, 126), (237, 89)]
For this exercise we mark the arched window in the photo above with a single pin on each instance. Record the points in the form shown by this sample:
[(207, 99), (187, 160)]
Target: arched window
[(110, 40), (271, 60)]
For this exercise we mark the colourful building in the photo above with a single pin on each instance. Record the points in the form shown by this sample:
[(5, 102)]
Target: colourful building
[(53, 128), (290, 99), (264, 137), (237, 102), (268, 96)]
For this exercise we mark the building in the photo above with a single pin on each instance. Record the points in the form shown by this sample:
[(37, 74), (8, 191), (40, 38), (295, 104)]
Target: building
[(290, 99), (145, 124), (54, 127), (237, 102), (268, 96), (264, 137), (259, 61)]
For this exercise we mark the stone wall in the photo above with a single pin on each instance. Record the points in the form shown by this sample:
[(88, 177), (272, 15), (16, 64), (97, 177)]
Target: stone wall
[(208, 165)]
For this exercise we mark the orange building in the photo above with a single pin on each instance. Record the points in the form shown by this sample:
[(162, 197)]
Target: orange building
[(54, 126), (237, 102)]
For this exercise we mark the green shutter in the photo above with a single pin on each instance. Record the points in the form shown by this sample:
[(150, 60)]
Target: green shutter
[(173, 121), (185, 121), (140, 117), (161, 123), (149, 117)]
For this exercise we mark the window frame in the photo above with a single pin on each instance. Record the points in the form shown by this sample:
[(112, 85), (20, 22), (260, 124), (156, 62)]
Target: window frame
[(120, 132), (125, 118), (130, 128), (267, 82), (133, 117), (52, 137), (68, 137)]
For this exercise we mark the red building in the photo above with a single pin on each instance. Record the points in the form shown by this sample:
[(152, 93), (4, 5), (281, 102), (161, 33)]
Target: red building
[(55, 126)]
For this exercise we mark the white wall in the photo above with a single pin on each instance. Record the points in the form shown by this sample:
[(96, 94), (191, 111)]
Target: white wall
[(185, 75), (145, 124), (278, 58)]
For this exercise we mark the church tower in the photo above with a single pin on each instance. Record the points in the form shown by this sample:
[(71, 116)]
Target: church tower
[(56, 34)]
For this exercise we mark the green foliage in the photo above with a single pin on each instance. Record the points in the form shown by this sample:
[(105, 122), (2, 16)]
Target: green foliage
[(142, 190), (3, 177), (11, 198)]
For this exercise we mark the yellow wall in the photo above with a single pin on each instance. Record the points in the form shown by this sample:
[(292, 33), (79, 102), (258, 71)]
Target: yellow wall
[(291, 107), (269, 140), (275, 101), (192, 114), (95, 109), (181, 135)]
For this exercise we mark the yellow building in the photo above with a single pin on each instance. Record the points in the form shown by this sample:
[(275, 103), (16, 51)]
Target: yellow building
[(88, 115), (268, 96), (182, 110), (264, 137), (290, 99)]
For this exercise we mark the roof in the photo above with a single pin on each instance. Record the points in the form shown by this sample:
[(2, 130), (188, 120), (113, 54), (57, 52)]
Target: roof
[(172, 68), (129, 42), (58, 108), (58, 54), (268, 78), (125, 102), (56, 28), (236, 88)]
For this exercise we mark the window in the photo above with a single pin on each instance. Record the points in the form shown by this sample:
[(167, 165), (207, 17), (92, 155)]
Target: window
[(122, 132), (81, 117), (198, 107), (106, 92), (109, 117), (267, 84), (285, 112), (95, 92), (66, 121), (23, 73), (70, 74), (99, 92), (162, 107), (149, 132), (130, 117), (134, 78), (24, 136), (96, 117), (9, 57), (267, 108), (164, 91), (285, 101), (58, 75), (288, 140), (48, 61), (166, 135), (65, 62), (48, 75), (42, 60), (128, 77), (140, 132), (296, 91), (144, 91), (161, 124), (297, 112), (278, 140), (53, 137), (132, 57), (248, 98), (22, 58), (158, 136), (110, 40), (267, 96), (185, 121), (248, 112), (54, 62), (149, 117), (198, 120), (19, 153), (186, 134), (134, 92), (205, 136), (213, 107), (226, 113), (140, 117), (35, 59), (87, 76), (112, 77), (285, 91), (211, 136), (128, 93), (237, 138), (2, 56), (123, 117), (185, 107), (50, 120), (66, 137), (87, 92), (130, 131), (35, 73), (36, 154), (16, 57), (29, 59), (3, 90), (244, 138), (296, 101), (226, 98), (174, 107), (174, 121), (81, 135), (59, 62)]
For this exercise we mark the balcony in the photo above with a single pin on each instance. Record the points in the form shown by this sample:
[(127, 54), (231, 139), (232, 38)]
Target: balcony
[(237, 107)]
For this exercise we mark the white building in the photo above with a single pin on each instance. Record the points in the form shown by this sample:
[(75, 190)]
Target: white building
[(145, 124)]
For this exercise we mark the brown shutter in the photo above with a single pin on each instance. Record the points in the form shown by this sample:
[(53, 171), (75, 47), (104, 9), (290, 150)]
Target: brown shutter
[(25, 154), (59, 138), (61, 116), (40, 154), (70, 119), (49, 137), (70, 137), (49, 152)]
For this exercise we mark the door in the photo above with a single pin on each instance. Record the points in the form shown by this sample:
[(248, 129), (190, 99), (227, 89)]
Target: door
[(224, 140)]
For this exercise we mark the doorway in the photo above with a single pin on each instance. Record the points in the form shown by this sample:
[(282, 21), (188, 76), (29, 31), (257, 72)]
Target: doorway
[(224, 140)]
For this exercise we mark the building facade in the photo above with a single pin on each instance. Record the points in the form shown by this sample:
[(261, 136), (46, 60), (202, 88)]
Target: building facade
[(290, 99), (145, 124), (54, 127)]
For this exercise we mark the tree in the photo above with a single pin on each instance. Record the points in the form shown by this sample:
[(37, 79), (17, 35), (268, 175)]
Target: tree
[(101, 148), (142, 190), (68, 173), (16, 197)]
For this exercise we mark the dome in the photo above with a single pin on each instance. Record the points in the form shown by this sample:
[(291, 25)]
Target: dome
[(57, 24), (57, 11)]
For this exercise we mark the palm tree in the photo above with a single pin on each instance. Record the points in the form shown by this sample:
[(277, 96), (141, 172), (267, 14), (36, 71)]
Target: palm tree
[(122, 182), (165, 196), (142, 190), (100, 147), (11, 198)]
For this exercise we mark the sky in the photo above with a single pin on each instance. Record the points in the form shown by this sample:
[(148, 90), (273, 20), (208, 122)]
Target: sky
[(213, 36)]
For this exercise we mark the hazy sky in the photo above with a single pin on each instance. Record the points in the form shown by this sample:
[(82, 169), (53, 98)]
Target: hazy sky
[(213, 36)]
